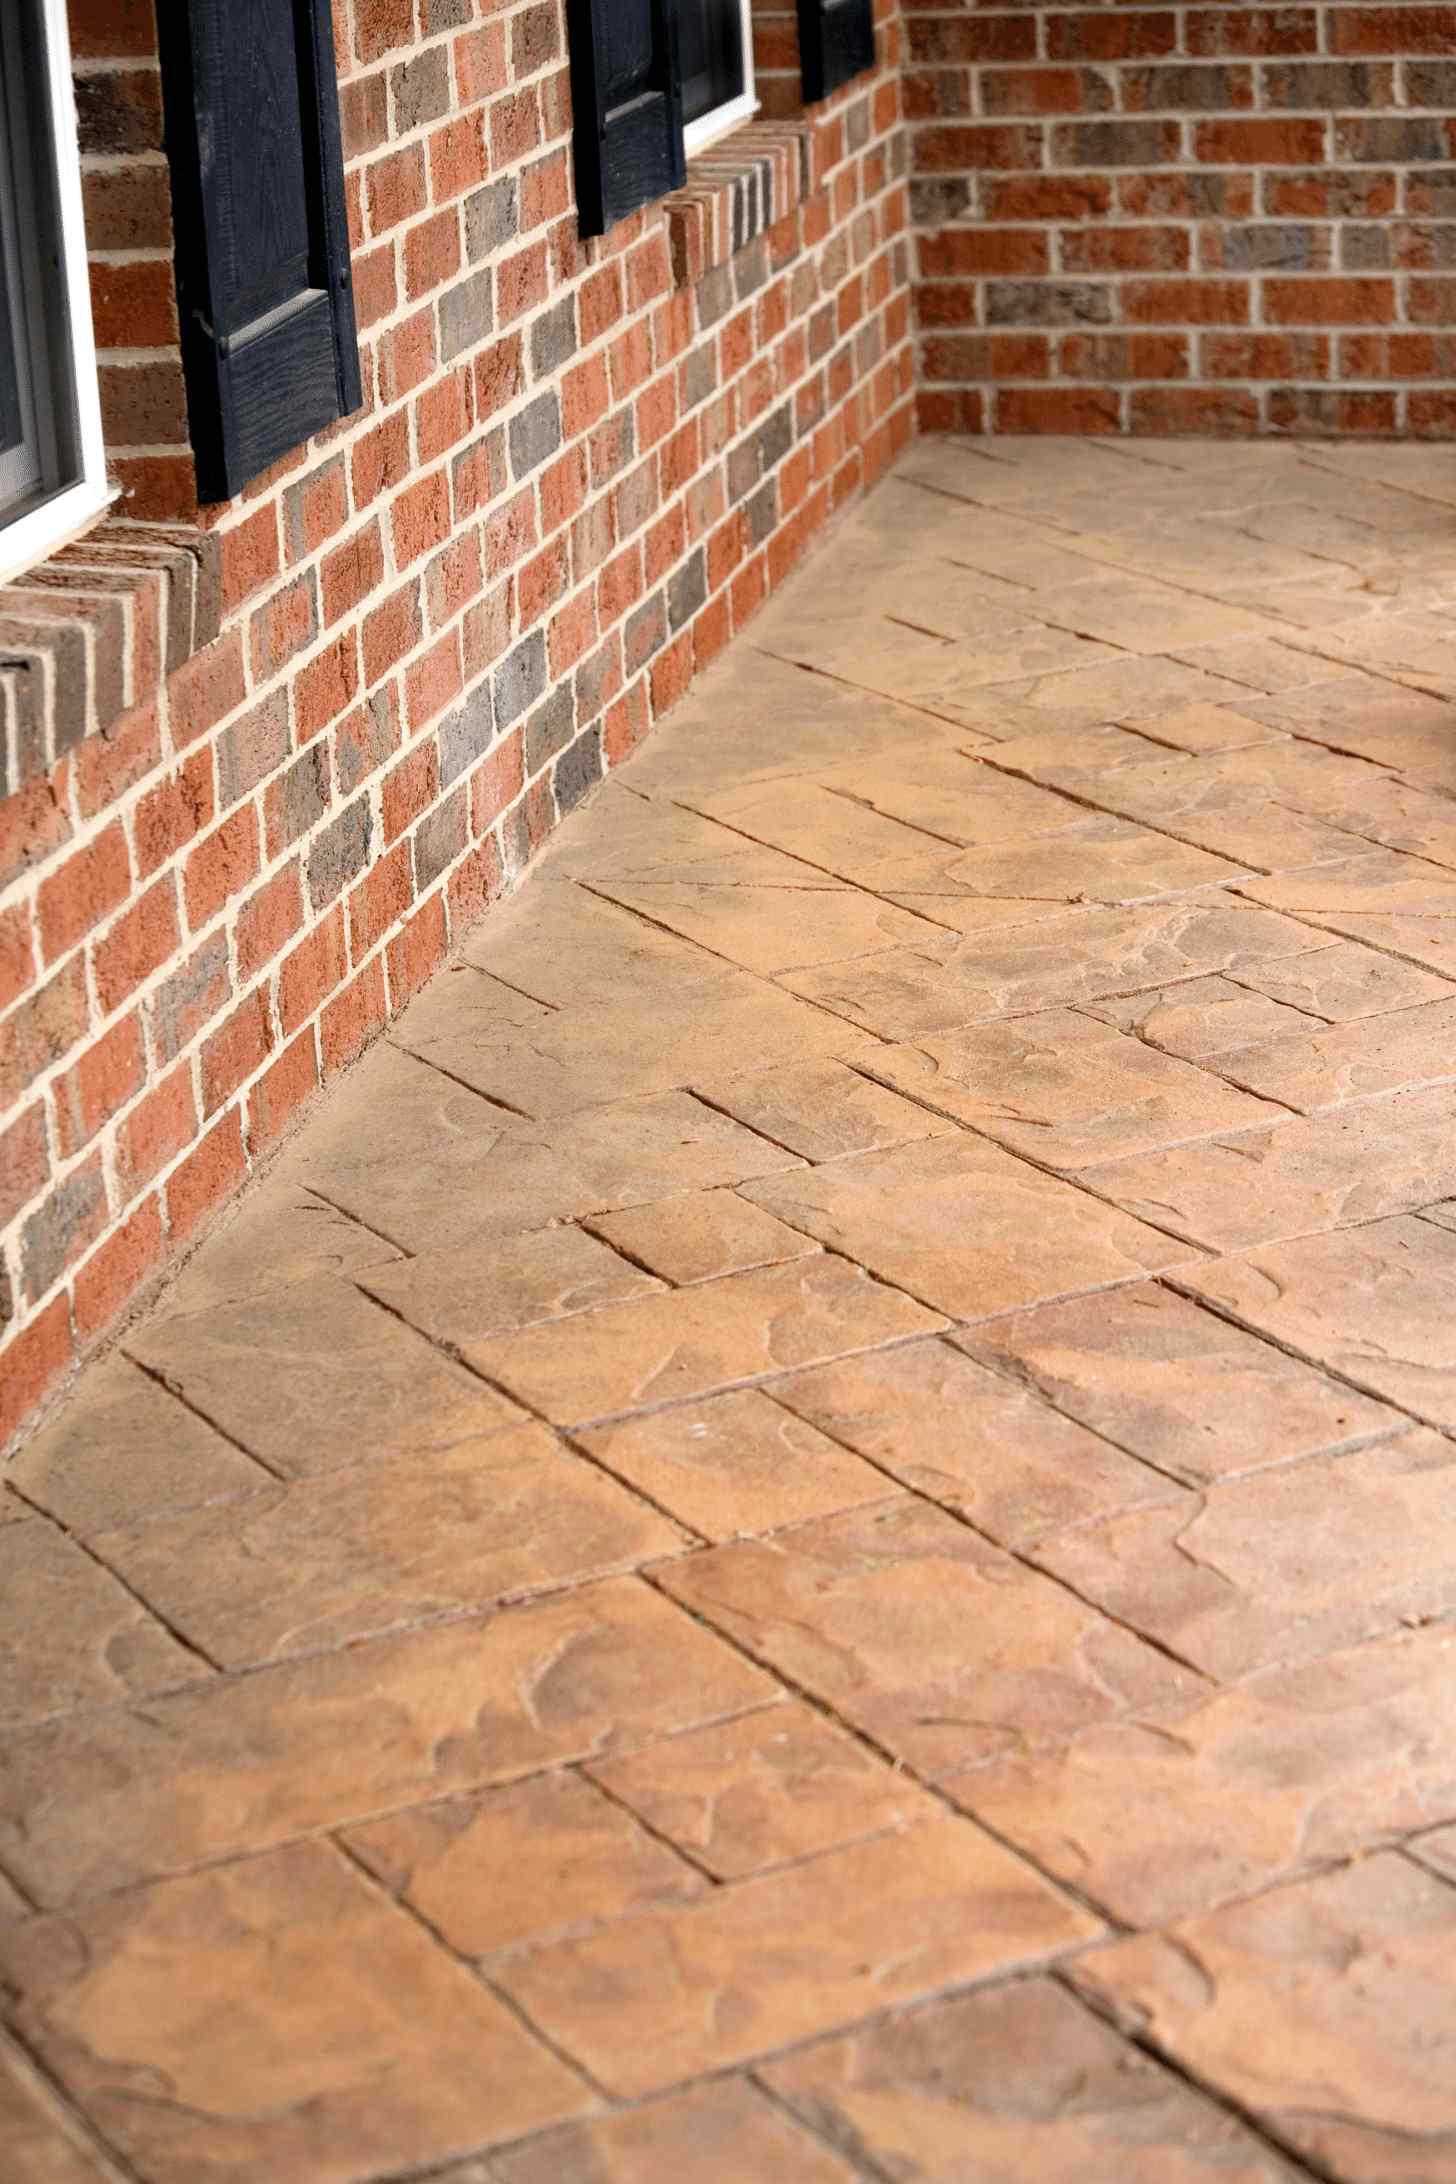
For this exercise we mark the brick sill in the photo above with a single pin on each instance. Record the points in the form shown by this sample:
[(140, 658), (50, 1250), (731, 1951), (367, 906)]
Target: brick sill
[(91, 633), (736, 190)]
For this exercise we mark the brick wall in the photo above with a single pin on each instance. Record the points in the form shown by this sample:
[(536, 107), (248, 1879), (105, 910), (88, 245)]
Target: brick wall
[(1192, 218), (266, 762)]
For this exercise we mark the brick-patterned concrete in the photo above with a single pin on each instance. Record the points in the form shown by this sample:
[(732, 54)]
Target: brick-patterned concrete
[(1184, 219), (806, 1533)]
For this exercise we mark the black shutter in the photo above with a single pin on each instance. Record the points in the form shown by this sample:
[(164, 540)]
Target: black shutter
[(268, 337), (626, 104), (836, 41)]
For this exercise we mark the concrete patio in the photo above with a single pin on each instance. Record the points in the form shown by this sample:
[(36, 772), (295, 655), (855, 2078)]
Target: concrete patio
[(809, 1532)]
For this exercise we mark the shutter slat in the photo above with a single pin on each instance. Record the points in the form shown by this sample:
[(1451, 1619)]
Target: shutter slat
[(836, 43), (627, 107), (263, 282)]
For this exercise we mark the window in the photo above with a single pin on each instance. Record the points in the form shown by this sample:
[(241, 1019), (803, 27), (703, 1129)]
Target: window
[(52, 470), (715, 52)]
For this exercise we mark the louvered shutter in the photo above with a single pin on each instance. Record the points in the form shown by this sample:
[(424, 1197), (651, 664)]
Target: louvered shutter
[(627, 106), (252, 120), (836, 41)]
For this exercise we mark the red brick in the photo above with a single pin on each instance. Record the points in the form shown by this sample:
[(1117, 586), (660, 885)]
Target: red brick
[(420, 520), (268, 920), (431, 253), (1399, 31), (235, 1051), (973, 250), (107, 766), (458, 157), (353, 1018), (221, 867), (206, 688), (284, 625), (250, 557), (173, 813), (111, 1277), (351, 572), (396, 188), (380, 460), (392, 630), (432, 681), (80, 894), (316, 966), (281, 1091), (1260, 143), (1186, 302), (379, 901), (206, 1176), (1160, 410), (24, 1162), (98, 1086), (1056, 409), (156, 1131), (1111, 34), (31, 1363), (417, 951), (1289, 302)]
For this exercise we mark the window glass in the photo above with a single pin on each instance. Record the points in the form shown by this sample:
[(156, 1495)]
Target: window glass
[(710, 49), (37, 383)]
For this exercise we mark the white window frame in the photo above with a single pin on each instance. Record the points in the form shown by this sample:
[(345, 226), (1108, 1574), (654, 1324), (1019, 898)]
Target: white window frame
[(716, 123), (39, 529)]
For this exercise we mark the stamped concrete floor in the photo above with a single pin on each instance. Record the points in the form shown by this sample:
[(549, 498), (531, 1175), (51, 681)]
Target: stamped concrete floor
[(810, 1532)]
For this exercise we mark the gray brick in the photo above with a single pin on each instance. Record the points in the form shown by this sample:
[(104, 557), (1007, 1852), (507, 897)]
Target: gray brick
[(1327, 86), (1268, 246), (466, 315), (699, 375), (761, 512), (299, 800), (1429, 83), (1181, 88), (1116, 143), (441, 838), (553, 338), (59, 1229), (535, 434), (190, 998), (750, 270), (438, 15), (714, 295), (466, 735), (1047, 303), (1365, 249), (340, 853), (644, 632), (550, 728), (938, 198), (1391, 140), (578, 768), (687, 588), (421, 89), (491, 218), (252, 748), (520, 678), (358, 754)]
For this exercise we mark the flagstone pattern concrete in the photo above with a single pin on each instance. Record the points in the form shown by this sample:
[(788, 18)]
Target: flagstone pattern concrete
[(809, 1532)]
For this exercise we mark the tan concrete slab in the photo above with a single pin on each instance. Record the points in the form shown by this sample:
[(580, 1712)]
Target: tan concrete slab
[(1356, 1163), (43, 2144), (1017, 2082), (456, 1297), (823, 1110), (302, 2025), (1377, 1303), (983, 1446), (1203, 1017), (1067, 1090), (316, 1376), (1323, 2009), (667, 1349), (319, 1562), (1285, 1773), (1279, 1565), (734, 1464), (940, 1647), (1320, 1069), (121, 1448), (104, 1799), (763, 1790), (647, 2002), (1176, 1385), (71, 1635), (1346, 982), (701, 1235), (523, 1864), (966, 1227), (722, 2129)]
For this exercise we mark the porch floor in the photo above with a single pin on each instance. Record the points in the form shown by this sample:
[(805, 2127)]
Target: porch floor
[(810, 1531)]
